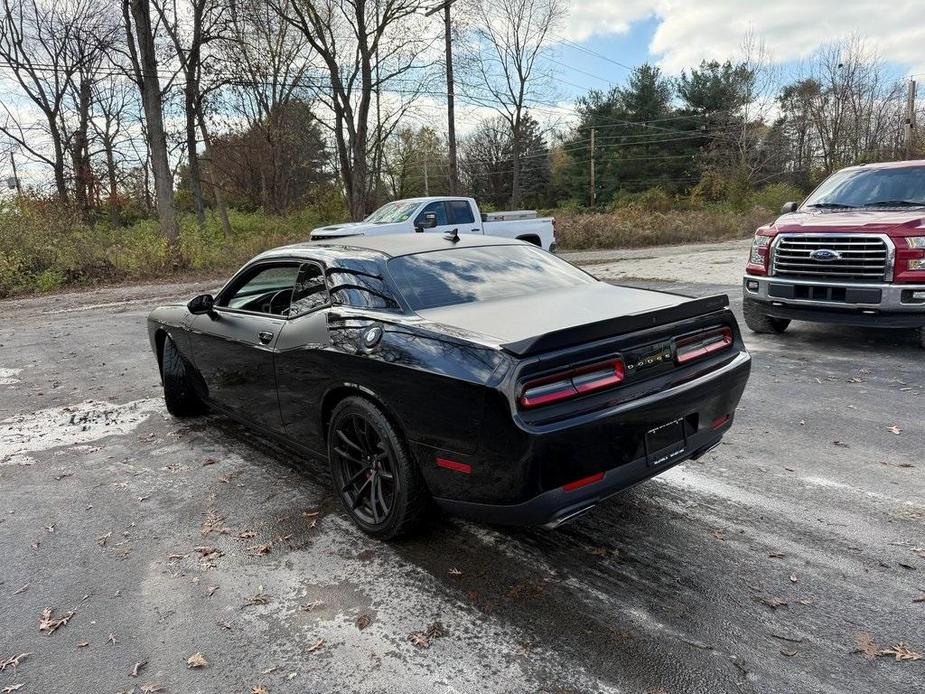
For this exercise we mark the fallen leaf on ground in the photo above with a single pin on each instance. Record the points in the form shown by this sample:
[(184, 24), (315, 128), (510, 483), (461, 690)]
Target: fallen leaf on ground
[(83, 644), (900, 652), (209, 553), (260, 550), (921, 598), (363, 621), (112, 638), (422, 639), (719, 535), (150, 688), (103, 539), (13, 661), (22, 590), (214, 523), (247, 534), (48, 623), (771, 601), (309, 606), (212, 590), (315, 646), (12, 687), (259, 689), (137, 668), (209, 461), (196, 660), (866, 645), (455, 572), (894, 429), (258, 599), (788, 653), (793, 578)]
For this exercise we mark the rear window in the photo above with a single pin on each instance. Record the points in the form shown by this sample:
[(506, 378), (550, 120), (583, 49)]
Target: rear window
[(464, 275)]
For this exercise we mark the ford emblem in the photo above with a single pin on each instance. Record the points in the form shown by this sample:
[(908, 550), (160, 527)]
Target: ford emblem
[(825, 255)]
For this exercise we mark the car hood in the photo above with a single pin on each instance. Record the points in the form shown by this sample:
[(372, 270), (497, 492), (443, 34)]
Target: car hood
[(851, 221), (356, 229), (520, 318)]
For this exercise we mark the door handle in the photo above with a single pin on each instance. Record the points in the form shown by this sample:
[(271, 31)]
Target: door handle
[(265, 337)]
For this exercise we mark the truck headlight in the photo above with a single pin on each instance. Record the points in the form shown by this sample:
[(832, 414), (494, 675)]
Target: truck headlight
[(759, 249), (917, 246)]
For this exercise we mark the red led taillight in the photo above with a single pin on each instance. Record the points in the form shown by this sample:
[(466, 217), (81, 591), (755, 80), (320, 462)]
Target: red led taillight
[(571, 383), (702, 344)]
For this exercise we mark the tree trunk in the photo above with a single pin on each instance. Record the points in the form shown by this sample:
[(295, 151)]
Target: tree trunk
[(154, 118), (515, 168), (114, 218), (216, 191), (81, 156), (60, 183), (195, 175)]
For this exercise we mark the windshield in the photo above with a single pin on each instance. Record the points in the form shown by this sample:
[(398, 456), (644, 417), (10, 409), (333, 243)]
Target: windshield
[(900, 187), (398, 211), (464, 275)]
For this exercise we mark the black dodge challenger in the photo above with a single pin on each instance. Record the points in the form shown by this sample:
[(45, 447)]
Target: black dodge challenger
[(486, 376)]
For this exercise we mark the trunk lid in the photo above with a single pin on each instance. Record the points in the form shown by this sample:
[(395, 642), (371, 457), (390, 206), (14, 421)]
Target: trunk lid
[(564, 318)]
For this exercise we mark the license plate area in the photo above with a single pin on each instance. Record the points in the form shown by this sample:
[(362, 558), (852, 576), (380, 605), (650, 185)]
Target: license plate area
[(666, 442)]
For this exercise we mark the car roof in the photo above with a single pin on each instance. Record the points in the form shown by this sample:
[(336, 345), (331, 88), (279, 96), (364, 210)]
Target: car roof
[(389, 245), (909, 163)]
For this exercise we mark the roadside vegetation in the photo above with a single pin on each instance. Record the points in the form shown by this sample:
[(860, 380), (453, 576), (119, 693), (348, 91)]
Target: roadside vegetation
[(45, 246)]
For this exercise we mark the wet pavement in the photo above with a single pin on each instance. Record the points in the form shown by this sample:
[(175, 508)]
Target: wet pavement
[(790, 559)]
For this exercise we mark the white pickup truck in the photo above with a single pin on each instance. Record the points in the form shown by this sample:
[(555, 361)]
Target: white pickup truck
[(445, 214)]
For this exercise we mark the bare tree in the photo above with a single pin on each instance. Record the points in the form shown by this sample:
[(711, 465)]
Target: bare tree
[(114, 100), (144, 72), (37, 45), (191, 28), (365, 48), (507, 62)]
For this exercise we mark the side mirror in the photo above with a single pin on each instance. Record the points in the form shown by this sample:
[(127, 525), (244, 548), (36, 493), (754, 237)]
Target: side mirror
[(202, 304), (789, 207), (427, 221)]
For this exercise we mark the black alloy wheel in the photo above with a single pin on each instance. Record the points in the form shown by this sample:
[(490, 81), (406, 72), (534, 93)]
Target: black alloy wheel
[(379, 486)]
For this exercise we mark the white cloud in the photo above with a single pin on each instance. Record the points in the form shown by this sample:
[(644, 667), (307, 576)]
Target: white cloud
[(689, 32)]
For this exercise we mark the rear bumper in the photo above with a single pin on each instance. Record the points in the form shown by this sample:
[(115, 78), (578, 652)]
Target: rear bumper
[(845, 303), (612, 445), (553, 508)]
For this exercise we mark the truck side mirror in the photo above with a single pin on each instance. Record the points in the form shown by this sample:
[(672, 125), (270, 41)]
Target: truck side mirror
[(789, 207), (428, 220)]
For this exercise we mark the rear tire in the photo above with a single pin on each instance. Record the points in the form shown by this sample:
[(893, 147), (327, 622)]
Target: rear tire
[(179, 395), (378, 483), (920, 334), (758, 321)]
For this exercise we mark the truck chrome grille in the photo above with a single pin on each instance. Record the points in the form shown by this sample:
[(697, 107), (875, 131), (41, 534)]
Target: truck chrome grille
[(854, 256)]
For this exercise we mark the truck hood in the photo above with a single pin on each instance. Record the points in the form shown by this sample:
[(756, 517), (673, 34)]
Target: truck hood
[(852, 221), (356, 229), (559, 318)]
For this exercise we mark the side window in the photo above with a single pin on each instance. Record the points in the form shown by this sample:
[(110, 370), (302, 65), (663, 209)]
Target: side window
[(310, 292), (439, 208), (460, 212), (267, 290)]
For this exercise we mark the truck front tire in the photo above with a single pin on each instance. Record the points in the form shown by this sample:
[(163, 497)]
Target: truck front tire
[(758, 321)]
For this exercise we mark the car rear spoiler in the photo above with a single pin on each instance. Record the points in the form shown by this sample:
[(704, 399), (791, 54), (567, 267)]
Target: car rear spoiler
[(621, 325)]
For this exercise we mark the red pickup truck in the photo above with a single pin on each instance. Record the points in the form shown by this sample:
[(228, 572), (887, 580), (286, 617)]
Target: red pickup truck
[(852, 253)]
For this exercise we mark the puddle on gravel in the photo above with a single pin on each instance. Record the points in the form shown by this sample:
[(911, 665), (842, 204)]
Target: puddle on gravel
[(72, 425)]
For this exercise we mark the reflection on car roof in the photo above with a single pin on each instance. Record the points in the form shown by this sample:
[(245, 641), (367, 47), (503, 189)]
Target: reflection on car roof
[(391, 244)]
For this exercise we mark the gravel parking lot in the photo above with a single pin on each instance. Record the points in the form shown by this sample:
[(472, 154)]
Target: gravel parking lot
[(791, 559)]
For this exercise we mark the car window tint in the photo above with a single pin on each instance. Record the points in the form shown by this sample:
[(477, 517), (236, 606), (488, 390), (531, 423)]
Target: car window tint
[(463, 275), (439, 208), (310, 291), (360, 284), (268, 290), (460, 212)]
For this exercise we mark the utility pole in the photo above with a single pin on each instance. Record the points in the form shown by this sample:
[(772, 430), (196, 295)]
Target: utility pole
[(450, 97), (426, 181), (910, 121), (593, 190)]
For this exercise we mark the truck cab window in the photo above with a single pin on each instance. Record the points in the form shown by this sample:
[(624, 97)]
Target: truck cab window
[(439, 208), (460, 212)]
